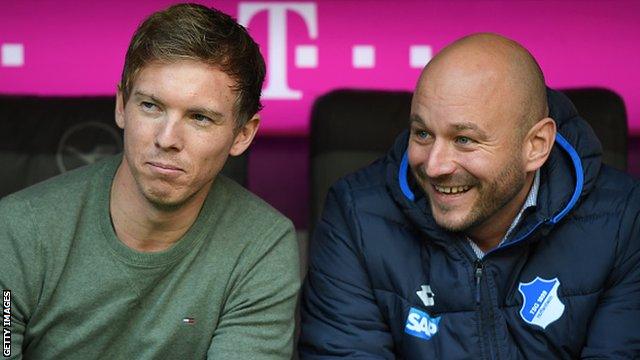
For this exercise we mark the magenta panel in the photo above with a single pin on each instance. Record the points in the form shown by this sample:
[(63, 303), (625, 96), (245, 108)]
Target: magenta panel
[(69, 47)]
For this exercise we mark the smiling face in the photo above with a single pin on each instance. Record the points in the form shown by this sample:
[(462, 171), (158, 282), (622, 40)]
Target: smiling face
[(464, 148), (178, 126)]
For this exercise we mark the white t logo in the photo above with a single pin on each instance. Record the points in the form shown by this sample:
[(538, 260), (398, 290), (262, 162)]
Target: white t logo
[(277, 88)]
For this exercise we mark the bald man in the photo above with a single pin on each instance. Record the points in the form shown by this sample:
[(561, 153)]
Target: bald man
[(491, 230)]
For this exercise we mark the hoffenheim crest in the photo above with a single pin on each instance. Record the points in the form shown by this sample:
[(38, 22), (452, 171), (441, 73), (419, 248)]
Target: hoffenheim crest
[(541, 305)]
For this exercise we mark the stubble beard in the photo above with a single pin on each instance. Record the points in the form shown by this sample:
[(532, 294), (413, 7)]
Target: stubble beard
[(496, 195), (492, 196), (155, 197)]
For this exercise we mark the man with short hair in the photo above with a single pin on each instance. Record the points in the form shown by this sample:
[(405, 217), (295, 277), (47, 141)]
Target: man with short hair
[(153, 254), (491, 230)]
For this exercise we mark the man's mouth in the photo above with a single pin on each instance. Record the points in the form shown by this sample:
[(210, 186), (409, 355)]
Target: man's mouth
[(165, 166), (451, 190)]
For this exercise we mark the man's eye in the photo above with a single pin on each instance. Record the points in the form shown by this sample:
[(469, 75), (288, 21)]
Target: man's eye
[(201, 118), (147, 106), (463, 140), (421, 134)]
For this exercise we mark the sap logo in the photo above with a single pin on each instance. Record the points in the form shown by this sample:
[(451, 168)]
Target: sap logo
[(421, 325)]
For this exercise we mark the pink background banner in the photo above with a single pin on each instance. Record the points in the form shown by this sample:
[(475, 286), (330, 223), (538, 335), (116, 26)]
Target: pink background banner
[(69, 47)]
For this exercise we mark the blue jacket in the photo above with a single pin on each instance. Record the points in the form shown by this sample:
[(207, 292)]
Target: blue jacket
[(565, 284)]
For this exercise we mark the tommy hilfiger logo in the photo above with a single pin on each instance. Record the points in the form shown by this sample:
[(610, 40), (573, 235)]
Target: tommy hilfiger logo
[(189, 320)]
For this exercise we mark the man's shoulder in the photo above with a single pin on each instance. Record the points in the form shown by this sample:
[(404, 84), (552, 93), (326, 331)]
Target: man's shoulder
[(611, 208), (610, 178), (613, 190), (48, 210), (60, 191), (620, 191), (243, 207), (367, 194), (245, 226), (364, 182)]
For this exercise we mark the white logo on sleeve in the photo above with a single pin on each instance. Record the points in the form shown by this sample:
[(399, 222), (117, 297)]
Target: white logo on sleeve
[(426, 295)]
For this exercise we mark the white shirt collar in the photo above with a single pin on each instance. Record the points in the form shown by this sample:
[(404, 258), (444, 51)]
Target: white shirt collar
[(532, 200)]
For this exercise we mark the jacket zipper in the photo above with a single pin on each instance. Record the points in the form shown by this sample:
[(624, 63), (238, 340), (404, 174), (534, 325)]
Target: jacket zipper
[(478, 275), (486, 313)]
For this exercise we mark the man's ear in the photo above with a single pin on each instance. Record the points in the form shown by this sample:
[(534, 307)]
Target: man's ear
[(244, 136), (120, 109), (538, 144)]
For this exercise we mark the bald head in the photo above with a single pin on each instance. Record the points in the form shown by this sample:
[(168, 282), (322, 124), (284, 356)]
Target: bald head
[(494, 69)]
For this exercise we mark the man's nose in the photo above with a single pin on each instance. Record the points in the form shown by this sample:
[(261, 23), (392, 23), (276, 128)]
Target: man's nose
[(169, 134), (440, 161)]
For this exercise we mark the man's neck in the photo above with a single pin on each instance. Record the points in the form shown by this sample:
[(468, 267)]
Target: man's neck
[(143, 226), (491, 233)]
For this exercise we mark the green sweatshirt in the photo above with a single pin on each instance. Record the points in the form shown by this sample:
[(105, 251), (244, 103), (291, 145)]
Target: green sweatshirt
[(226, 290)]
